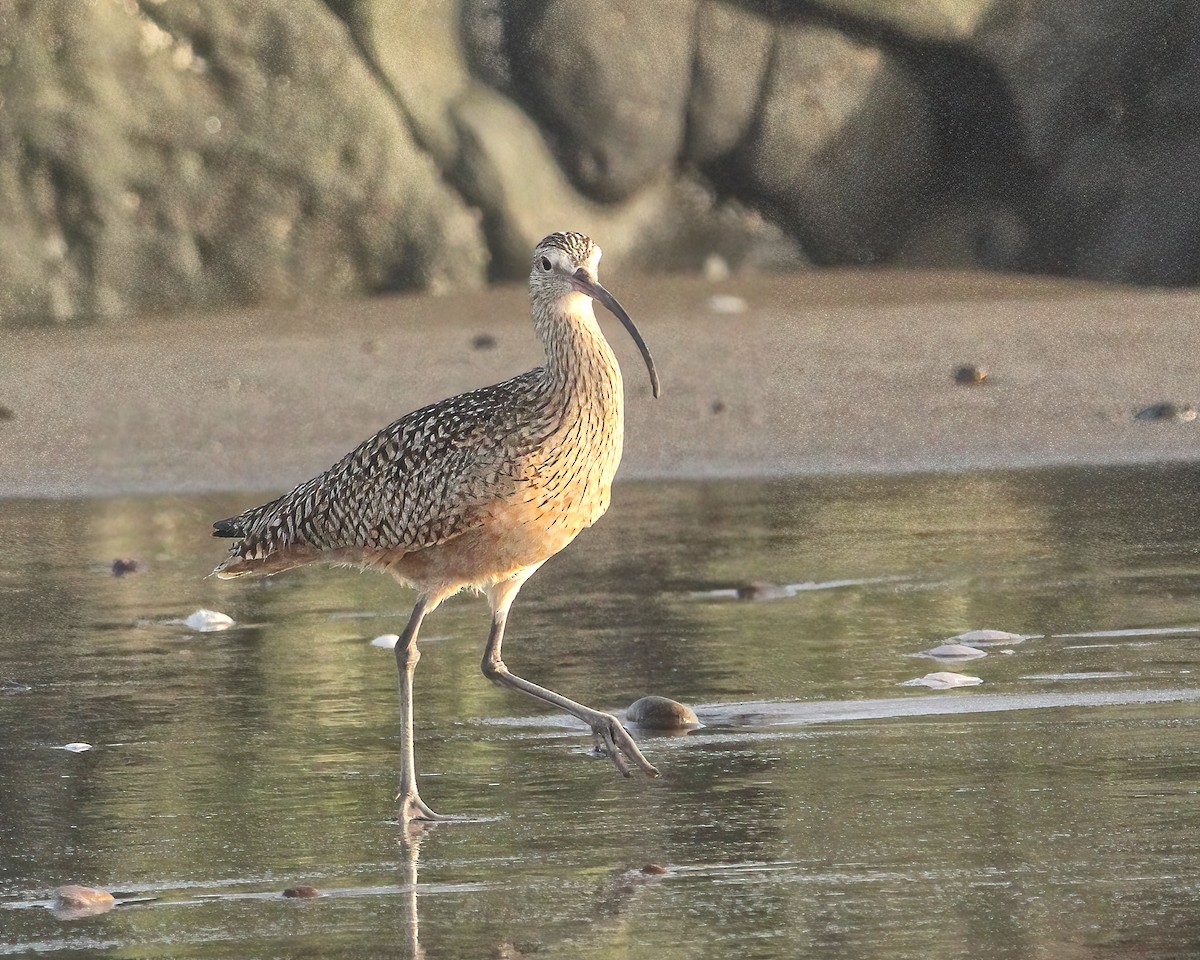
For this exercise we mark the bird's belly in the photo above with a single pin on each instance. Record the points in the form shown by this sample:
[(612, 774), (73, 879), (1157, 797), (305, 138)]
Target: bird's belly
[(515, 536)]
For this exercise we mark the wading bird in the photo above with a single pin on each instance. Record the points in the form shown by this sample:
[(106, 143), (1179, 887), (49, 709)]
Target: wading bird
[(477, 491)]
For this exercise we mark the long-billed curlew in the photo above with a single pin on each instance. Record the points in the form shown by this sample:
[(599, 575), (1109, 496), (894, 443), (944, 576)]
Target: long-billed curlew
[(476, 491)]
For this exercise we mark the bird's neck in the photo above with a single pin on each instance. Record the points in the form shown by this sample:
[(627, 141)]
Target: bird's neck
[(579, 361)]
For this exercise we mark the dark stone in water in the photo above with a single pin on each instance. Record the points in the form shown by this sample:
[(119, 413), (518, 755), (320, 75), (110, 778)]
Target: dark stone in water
[(483, 341), (5, 413), (654, 869), (659, 713), (301, 891), (124, 565), (762, 591)]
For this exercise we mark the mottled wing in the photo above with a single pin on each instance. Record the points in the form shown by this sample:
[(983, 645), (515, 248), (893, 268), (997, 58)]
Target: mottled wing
[(420, 481)]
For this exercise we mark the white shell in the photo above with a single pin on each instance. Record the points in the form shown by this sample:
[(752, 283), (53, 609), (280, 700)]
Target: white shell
[(943, 681), (726, 303), (386, 641), (206, 621)]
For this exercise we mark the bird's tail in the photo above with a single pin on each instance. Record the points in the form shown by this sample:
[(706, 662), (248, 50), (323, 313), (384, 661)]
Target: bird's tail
[(229, 527), (250, 555)]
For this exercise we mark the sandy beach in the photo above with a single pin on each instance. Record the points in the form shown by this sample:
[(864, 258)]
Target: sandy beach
[(827, 371)]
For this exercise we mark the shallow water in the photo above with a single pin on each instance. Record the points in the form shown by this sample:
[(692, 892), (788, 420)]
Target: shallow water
[(822, 810)]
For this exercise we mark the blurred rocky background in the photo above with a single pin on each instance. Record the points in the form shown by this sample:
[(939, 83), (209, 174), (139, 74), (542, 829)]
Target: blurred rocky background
[(159, 155)]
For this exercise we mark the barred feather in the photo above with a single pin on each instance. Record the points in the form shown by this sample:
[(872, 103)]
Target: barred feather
[(551, 436)]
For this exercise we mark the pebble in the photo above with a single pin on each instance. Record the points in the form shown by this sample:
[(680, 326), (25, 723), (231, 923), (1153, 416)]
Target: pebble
[(5, 413), (654, 869), (302, 891), (1179, 413), (943, 681), (73, 901), (970, 375), (386, 641), (206, 621), (483, 341), (124, 565), (953, 651), (659, 713)]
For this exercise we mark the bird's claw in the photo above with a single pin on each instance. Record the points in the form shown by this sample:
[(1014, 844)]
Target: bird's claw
[(412, 807), (611, 739)]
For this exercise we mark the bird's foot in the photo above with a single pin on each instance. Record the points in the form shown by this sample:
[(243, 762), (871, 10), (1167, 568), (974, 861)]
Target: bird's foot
[(612, 740), (412, 807)]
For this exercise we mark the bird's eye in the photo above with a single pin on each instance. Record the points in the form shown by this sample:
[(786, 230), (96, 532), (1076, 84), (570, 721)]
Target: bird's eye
[(546, 264)]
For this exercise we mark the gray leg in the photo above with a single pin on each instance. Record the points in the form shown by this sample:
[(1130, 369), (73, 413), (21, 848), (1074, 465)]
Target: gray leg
[(610, 737), (412, 807)]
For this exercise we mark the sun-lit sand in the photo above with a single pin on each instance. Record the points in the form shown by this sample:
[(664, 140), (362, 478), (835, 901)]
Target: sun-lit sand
[(821, 372)]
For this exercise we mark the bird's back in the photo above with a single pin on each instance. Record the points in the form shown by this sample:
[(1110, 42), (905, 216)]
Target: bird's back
[(424, 479)]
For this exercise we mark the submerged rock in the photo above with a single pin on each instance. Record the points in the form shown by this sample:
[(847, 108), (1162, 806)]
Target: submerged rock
[(302, 891), (73, 901), (659, 713), (763, 591), (953, 651), (13, 686), (124, 565), (989, 638)]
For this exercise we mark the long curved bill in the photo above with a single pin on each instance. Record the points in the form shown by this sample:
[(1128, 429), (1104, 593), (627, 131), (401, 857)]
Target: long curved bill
[(584, 283)]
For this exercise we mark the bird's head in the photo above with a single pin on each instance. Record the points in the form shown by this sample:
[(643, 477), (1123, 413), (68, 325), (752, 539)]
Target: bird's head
[(564, 265)]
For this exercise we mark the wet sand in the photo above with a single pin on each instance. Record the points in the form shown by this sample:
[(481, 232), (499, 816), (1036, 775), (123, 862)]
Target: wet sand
[(833, 371)]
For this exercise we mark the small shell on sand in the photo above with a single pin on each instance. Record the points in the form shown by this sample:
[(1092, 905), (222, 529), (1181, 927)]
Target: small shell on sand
[(726, 303), (953, 651), (659, 713), (206, 621), (386, 641), (73, 901), (943, 681)]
